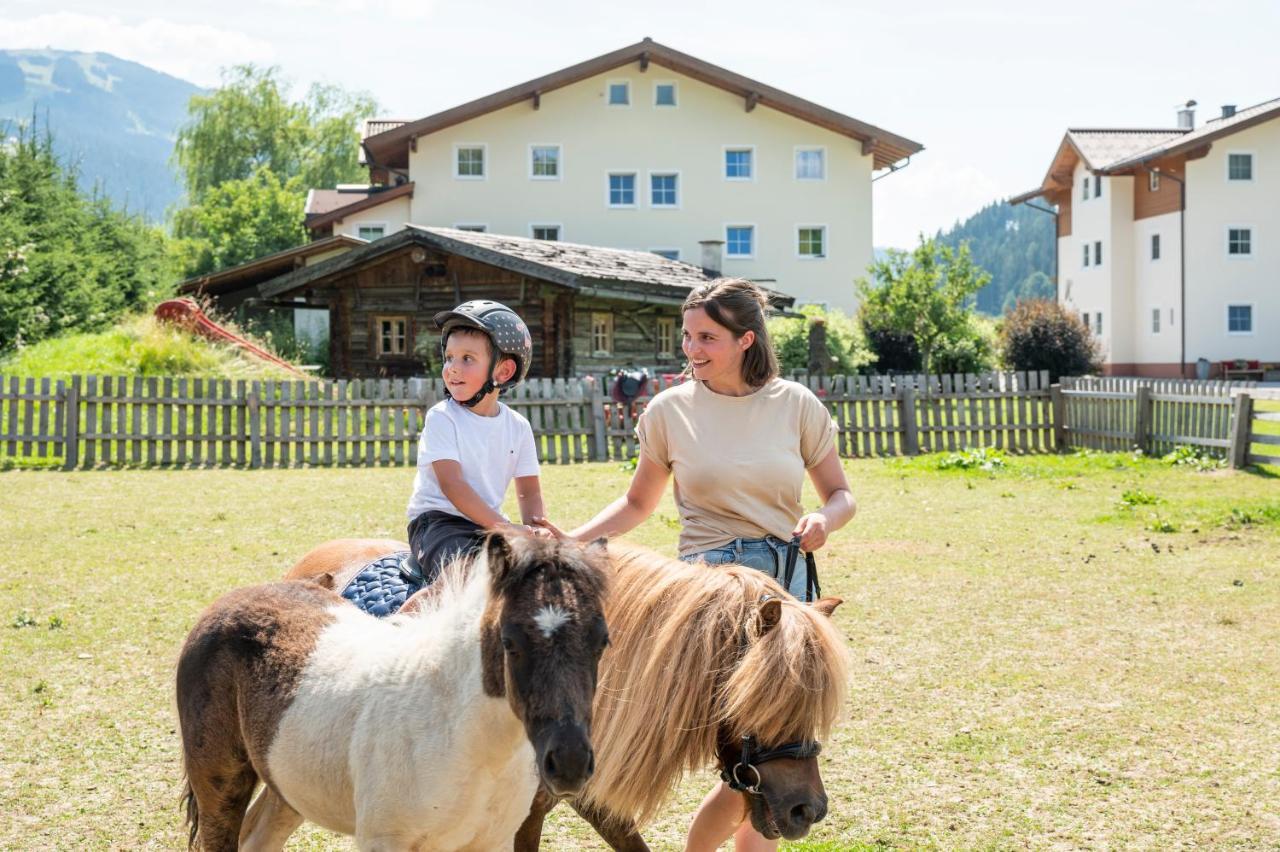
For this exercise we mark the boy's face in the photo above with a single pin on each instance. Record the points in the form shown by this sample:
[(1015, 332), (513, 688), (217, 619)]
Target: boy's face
[(468, 359)]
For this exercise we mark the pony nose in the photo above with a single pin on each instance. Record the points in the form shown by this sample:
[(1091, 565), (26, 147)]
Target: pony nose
[(802, 815), (568, 760)]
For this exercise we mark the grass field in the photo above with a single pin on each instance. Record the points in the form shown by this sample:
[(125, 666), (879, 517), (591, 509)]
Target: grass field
[(1063, 652)]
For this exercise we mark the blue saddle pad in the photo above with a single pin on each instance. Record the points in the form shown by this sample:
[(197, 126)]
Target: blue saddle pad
[(383, 585)]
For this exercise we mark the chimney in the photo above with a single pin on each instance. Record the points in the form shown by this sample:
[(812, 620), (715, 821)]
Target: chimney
[(1228, 110), (712, 257), (1187, 116)]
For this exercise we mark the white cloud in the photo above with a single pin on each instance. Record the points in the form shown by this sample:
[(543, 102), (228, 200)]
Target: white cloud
[(193, 52), (927, 196)]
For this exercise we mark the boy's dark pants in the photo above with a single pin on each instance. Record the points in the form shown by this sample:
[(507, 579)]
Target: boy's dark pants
[(436, 538)]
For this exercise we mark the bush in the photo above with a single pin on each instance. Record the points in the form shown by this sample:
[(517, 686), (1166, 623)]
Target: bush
[(845, 342), (1040, 334), (972, 349)]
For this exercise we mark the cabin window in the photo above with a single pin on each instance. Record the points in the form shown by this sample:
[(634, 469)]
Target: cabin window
[(811, 163), (371, 232), (664, 190), (738, 163), (619, 93), (601, 333), (1239, 167), (551, 233), (622, 189), (666, 337), (1239, 242), (1240, 319), (544, 162), (468, 162), (664, 94), (812, 241), (740, 241), (1155, 246), (392, 335)]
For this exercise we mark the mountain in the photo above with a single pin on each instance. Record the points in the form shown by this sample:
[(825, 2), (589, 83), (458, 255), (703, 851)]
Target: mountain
[(116, 120), (1014, 244)]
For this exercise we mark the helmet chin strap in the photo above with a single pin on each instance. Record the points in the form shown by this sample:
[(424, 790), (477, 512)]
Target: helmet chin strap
[(484, 391)]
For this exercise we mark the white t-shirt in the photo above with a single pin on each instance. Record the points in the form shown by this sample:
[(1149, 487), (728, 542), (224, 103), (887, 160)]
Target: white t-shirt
[(491, 450)]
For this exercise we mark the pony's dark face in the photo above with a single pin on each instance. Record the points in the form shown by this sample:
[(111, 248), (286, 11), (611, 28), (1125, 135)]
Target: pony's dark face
[(791, 797), (543, 636)]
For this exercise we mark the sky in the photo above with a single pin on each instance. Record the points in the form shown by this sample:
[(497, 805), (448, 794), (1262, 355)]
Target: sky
[(987, 87)]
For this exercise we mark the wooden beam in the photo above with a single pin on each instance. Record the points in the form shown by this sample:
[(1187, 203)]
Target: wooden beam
[(869, 145), (753, 98), (537, 100), (1198, 153), (644, 60)]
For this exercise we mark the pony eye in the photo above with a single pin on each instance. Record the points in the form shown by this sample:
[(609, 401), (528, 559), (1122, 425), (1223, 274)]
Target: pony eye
[(508, 645)]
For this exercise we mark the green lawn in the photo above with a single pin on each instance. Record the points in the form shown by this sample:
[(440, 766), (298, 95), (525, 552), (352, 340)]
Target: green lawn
[(1066, 652)]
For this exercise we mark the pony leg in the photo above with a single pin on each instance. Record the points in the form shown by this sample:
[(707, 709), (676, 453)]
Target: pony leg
[(269, 823), (219, 805), (620, 834), (529, 837)]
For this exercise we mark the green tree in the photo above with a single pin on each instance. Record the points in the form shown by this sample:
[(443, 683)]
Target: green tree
[(240, 220), (1041, 334), (845, 343), (924, 297)]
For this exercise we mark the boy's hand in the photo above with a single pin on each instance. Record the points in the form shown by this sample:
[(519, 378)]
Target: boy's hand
[(545, 527)]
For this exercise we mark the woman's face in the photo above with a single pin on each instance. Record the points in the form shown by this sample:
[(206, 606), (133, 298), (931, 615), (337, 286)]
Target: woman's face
[(713, 352)]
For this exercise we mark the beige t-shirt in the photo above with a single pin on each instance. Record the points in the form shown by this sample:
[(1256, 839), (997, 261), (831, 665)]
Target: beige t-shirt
[(738, 462)]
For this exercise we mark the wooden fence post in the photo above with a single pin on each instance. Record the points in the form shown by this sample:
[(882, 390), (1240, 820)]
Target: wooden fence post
[(910, 433), (255, 428), (71, 426), (1142, 418), (1059, 403), (600, 447), (1241, 429)]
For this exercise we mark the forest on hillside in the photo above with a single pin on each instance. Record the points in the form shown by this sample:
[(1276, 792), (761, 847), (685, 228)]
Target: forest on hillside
[(1013, 243)]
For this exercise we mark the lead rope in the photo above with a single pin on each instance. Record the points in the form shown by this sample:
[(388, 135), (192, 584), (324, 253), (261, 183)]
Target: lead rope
[(812, 591)]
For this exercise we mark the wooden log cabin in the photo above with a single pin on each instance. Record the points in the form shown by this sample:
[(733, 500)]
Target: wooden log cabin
[(589, 309)]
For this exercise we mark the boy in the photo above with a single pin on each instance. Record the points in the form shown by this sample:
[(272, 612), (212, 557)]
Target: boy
[(472, 445)]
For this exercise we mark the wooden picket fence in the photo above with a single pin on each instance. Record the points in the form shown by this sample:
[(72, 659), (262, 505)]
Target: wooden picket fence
[(105, 421)]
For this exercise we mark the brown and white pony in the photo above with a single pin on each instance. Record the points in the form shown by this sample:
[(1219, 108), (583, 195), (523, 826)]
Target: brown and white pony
[(424, 731), (699, 657)]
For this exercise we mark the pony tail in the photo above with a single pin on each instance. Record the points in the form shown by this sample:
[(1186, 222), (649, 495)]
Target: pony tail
[(188, 801)]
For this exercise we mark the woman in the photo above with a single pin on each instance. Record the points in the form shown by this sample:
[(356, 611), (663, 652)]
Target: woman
[(738, 440)]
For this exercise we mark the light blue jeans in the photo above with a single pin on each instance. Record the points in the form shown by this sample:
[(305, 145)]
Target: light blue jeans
[(768, 554)]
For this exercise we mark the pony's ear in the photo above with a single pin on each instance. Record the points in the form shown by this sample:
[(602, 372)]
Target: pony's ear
[(325, 580), (826, 606), (770, 614), (598, 547), (497, 552)]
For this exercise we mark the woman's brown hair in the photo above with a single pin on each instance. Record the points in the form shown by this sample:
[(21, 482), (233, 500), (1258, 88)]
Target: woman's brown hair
[(740, 306)]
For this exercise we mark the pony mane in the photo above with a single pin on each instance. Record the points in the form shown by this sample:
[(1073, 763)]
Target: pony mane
[(687, 656)]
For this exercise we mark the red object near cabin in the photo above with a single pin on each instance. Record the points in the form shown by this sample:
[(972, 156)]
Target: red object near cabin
[(186, 314)]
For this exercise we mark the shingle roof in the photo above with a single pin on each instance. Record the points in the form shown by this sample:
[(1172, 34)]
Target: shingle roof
[(1210, 130), (1102, 147)]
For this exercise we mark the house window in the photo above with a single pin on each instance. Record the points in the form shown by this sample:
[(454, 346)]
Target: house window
[(1097, 186), (1155, 246), (811, 241), (666, 337), (664, 94), (811, 163), (1240, 319), (1239, 242), (544, 162), (550, 233), (669, 254), (622, 189), (1171, 317), (619, 93), (1155, 320), (1086, 255), (1084, 317), (1097, 323), (1239, 167), (601, 333), (1153, 181), (664, 190), (739, 241), (738, 163), (1097, 253), (468, 162), (472, 226), (371, 232), (392, 334)]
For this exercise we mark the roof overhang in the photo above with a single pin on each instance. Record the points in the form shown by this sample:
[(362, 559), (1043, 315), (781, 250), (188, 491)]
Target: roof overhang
[(320, 220), (265, 268), (390, 149), (1193, 144)]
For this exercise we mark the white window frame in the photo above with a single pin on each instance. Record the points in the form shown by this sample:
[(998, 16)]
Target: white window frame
[(1253, 167), (475, 227), (670, 351), (1155, 247), (1153, 181), (659, 249), (1086, 256), (635, 189), (1253, 239), (608, 93), (405, 343), (663, 173), (724, 163), (755, 240), (675, 93), (1253, 313), (559, 230), (608, 334), (1155, 320), (385, 226), (795, 162), (559, 160), (484, 160), (826, 242)]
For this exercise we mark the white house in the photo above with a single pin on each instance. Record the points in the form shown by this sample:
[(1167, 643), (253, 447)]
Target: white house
[(1169, 240), (642, 148)]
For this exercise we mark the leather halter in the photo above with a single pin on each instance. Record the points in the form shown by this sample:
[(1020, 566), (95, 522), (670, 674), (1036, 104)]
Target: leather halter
[(751, 759)]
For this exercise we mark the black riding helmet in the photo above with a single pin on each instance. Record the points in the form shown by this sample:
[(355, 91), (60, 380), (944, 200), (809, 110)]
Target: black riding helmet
[(509, 334)]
